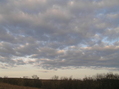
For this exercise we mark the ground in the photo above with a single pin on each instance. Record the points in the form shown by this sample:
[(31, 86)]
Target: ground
[(9, 86)]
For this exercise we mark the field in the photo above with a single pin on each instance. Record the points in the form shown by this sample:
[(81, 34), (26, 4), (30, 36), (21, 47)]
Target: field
[(100, 81), (9, 86)]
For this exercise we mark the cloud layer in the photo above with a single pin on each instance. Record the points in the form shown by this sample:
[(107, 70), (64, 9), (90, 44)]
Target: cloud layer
[(56, 34)]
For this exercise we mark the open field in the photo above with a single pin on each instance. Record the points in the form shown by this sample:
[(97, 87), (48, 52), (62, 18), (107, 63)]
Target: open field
[(9, 86), (100, 81)]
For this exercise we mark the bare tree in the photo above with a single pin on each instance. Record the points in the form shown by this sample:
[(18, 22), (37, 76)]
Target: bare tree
[(55, 77), (35, 77)]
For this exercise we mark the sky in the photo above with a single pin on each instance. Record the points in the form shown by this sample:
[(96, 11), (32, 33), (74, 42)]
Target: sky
[(59, 37)]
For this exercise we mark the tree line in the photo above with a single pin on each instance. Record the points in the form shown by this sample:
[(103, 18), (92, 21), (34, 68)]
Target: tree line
[(99, 81)]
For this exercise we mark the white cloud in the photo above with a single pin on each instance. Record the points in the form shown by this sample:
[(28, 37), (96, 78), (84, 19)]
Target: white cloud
[(66, 33)]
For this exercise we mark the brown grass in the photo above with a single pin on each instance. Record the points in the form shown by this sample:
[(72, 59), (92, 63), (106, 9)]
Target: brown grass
[(9, 86)]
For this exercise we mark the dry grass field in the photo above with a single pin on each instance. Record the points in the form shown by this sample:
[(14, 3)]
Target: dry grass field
[(100, 81), (9, 86)]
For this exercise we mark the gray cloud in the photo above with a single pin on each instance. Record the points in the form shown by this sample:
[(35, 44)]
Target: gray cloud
[(59, 33)]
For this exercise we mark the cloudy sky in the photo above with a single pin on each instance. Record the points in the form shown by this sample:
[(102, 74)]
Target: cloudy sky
[(62, 37)]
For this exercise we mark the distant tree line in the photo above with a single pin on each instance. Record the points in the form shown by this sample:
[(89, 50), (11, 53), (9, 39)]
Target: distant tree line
[(25, 81), (100, 81)]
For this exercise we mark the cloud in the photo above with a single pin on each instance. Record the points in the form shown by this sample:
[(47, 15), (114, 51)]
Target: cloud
[(46, 71), (55, 33)]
